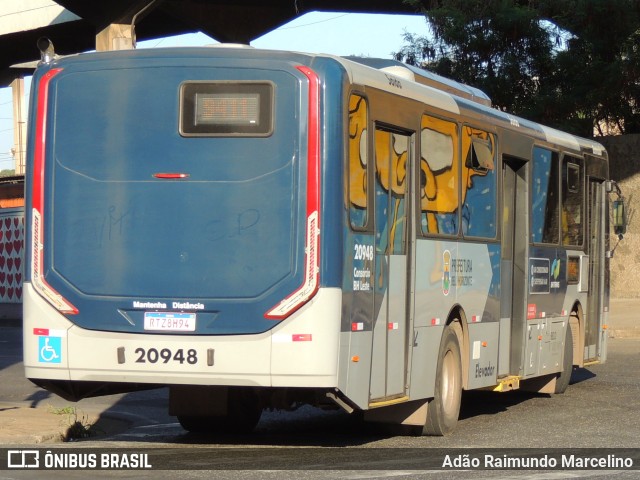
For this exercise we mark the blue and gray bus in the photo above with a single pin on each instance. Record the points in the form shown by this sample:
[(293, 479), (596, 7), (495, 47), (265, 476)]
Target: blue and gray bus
[(259, 229)]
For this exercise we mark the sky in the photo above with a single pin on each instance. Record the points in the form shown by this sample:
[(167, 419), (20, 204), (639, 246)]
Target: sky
[(335, 33)]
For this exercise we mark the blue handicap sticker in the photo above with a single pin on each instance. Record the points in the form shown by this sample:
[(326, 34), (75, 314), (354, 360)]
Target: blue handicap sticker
[(50, 349)]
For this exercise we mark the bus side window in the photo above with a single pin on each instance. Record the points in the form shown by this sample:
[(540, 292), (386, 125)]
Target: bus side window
[(478, 183), (358, 161), (572, 201), (439, 173), (544, 197)]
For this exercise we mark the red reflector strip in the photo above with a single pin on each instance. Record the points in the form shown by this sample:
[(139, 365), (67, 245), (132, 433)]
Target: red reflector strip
[(357, 326), (311, 281), (171, 176), (435, 321), (40, 141), (301, 337), (49, 332), (476, 318), (37, 201)]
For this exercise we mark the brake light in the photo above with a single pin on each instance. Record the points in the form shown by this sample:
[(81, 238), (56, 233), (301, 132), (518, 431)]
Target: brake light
[(171, 176), (311, 281), (37, 201)]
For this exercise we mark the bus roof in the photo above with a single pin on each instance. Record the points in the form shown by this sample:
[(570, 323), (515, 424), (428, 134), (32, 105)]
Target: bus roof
[(375, 72), (437, 91)]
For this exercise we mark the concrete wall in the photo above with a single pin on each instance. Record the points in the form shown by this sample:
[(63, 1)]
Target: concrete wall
[(624, 156)]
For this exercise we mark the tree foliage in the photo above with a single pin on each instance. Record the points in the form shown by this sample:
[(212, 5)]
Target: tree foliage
[(572, 64)]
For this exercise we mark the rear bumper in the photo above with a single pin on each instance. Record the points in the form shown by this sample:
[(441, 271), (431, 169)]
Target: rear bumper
[(301, 351)]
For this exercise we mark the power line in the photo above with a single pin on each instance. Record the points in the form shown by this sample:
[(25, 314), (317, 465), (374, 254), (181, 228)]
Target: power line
[(28, 10), (313, 23)]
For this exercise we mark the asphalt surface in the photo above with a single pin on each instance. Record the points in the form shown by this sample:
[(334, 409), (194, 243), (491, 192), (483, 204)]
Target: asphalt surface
[(21, 424)]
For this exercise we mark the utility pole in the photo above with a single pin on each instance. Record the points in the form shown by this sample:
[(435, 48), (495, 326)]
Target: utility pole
[(19, 125)]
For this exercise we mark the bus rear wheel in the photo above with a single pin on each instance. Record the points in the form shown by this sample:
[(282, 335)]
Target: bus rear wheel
[(243, 414), (444, 409)]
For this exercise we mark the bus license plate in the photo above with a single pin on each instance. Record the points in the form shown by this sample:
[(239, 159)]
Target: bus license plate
[(170, 321)]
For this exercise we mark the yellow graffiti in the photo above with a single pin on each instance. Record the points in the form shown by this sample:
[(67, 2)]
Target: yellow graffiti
[(440, 169), (358, 152), (450, 157), (391, 173)]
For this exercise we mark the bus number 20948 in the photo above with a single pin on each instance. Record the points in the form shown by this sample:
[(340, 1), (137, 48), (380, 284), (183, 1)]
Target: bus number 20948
[(165, 355)]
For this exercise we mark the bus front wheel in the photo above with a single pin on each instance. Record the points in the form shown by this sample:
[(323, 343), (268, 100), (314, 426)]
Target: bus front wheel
[(444, 409)]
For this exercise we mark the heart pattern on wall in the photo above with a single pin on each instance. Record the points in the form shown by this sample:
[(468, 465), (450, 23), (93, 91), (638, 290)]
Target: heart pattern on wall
[(11, 257)]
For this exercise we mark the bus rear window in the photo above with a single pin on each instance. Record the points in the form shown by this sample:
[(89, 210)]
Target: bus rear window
[(210, 109)]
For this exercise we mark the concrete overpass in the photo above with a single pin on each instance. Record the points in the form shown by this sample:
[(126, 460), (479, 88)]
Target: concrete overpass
[(79, 25)]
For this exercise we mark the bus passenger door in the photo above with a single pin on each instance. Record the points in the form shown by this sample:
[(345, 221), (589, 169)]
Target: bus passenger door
[(595, 250), (391, 191), (513, 266)]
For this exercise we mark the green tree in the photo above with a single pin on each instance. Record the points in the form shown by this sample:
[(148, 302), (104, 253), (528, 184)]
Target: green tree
[(597, 75), (572, 64)]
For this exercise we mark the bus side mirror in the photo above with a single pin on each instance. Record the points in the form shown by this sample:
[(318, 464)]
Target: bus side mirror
[(619, 218)]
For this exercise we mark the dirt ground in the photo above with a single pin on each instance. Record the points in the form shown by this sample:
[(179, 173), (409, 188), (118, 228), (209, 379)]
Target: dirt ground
[(625, 169)]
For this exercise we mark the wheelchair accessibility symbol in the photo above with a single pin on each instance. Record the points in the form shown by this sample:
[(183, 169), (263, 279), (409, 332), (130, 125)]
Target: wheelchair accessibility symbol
[(50, 349)]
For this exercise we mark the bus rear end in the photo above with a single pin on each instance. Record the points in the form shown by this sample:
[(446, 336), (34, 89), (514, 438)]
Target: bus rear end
[(173, 224)]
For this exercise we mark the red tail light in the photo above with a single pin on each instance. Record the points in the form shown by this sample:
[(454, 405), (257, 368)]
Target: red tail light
[(37, 201), (311, 280)]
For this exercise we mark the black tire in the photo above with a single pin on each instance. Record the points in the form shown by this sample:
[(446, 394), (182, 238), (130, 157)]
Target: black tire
[(444, 409), (243, 415), (562, 382)]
